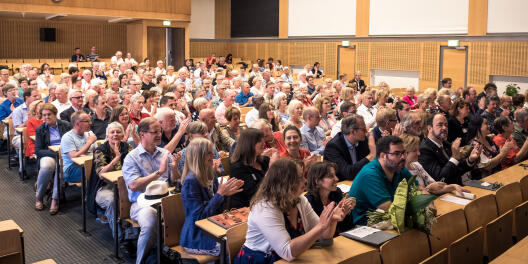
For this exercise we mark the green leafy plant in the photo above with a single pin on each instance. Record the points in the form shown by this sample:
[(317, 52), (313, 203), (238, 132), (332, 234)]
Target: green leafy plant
[(409, 209), (512, 89)]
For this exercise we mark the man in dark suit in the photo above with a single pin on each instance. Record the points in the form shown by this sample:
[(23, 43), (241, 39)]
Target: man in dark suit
[(76, 99), (360, 84), (349, 149), (442, 160)]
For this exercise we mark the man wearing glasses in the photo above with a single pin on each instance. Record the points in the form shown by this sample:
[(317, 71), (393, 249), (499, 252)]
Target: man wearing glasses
[(349, 149), (376, 183), (76, 100), (76, 142), (147, 163)]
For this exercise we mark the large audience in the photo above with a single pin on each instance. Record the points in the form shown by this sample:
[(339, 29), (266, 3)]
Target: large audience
[(289, 139)]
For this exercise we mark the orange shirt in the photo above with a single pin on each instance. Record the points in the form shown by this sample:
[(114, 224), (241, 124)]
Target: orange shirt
[(500, 141)]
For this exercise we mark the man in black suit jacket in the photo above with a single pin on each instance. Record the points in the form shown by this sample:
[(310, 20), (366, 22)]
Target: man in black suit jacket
[(76, 99), (349, 149), (360, 84), (442, 160)]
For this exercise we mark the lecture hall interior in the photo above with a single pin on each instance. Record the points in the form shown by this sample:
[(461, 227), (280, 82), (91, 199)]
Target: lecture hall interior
[(373, 131)]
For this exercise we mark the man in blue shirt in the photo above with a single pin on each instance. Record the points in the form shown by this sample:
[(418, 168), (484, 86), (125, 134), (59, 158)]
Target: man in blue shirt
[(376, 183), (147, 163), (244, 98), (12, 101), (20, 117), (76, 142), (313, 137)]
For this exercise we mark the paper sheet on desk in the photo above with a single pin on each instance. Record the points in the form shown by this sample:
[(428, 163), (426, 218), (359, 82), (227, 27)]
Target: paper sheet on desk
[(362, 231), (454, 199), (344, 187)]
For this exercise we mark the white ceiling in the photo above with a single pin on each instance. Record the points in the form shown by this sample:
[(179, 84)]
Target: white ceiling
[(23, 15)]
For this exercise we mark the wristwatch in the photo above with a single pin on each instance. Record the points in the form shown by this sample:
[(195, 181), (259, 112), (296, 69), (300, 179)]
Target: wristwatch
[(158, 173)]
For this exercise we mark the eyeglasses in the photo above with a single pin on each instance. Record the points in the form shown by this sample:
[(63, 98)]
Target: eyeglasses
[(85, 121), (154, 132), (398, 153), (77, 97)]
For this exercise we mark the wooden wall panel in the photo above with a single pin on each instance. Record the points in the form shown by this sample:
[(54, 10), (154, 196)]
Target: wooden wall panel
[(156, 43), (283, 18), (144, 9), (402, 56), (222, 19), (23, 39), (478, 17), (486, 58)]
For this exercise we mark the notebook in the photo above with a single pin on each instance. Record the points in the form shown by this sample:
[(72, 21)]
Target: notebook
[(369, 235), (230, 218)]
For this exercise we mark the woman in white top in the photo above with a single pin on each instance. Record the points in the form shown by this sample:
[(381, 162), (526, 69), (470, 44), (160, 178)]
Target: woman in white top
[(281, 222)]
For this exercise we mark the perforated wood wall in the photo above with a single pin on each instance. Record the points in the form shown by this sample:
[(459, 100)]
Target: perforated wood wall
[(22, 40), (485, 58)]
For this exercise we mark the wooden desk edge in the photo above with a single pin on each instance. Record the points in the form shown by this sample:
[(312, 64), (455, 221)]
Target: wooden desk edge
[(211, 228), (10, 224), (112, 176)]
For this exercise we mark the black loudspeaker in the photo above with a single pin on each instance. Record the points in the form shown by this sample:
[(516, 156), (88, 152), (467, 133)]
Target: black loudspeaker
[(47, 34)]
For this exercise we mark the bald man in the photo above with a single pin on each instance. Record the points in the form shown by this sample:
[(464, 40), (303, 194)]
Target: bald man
[(221, 141), (313, 136)]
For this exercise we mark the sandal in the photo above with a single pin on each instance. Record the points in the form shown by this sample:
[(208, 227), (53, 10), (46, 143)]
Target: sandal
[(54, 211), (39, 207)]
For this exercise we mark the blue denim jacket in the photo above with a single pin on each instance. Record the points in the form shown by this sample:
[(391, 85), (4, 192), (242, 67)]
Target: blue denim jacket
[(198, 205)]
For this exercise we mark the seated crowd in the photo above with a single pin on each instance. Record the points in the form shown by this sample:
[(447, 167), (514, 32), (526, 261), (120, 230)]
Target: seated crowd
[(289, 141)]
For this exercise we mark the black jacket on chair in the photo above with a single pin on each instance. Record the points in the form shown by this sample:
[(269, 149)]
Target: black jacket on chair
[(336, 151), (437, 164), (42, 139)]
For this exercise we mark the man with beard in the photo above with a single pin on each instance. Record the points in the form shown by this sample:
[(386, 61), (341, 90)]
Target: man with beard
[(442, 160), (376, 183)]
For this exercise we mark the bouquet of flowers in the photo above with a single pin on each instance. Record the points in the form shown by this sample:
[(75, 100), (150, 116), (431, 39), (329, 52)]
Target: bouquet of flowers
[(410, 209)]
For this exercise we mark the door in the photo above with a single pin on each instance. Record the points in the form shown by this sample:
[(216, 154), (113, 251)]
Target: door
[(176, 47), (453, 64), (156, 38), (346, 59)]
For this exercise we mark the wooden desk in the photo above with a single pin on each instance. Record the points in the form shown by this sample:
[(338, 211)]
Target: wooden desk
[(55, 148), (349, 183), (342, 250), (10, 224), (512, 174), (81, 163), (46, 261), (112, 177), (444, 207), (211, 228), (517, 254)]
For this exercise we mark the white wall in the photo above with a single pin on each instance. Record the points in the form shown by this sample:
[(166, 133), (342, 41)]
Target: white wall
[(395, 79), (321, 18), (507, 16), (202, 19), (389, 17), (503, 81)]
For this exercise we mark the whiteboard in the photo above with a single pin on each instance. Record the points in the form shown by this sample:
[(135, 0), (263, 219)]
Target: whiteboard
[(395, 79), (503, 81), (202, 24), (321, 18), (507, 16), (389, 17)]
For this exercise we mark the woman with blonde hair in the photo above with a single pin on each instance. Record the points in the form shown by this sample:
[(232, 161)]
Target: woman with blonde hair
[(280, 101), (324, 105), (282, 223), (34, 121), (202, 196), (295, 109), (430, 95)]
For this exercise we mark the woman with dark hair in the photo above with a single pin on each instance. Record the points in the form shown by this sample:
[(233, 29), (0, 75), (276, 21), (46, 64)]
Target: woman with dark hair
[(189, 65), (248, 164), (45, 75), (322, 189), (324, 105), (266, 112), (292, 138), (120, 114), (281, 223), (229, 59), (458, 122), (491, 155), (504, 126), (316, 72)]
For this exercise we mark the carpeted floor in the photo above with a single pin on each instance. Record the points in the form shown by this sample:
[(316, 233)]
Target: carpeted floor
[(57, 237)]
